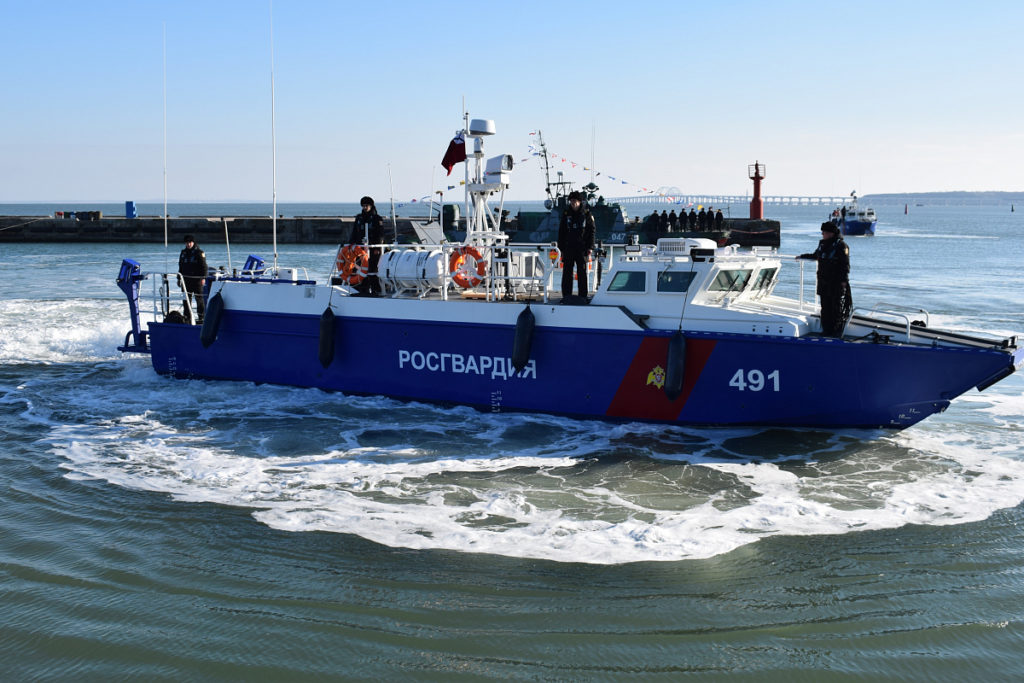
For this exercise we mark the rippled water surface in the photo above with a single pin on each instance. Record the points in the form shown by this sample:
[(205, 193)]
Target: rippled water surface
[(163, 529)]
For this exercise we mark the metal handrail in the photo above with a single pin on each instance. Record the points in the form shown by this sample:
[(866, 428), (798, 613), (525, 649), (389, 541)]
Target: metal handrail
[(894, 312)]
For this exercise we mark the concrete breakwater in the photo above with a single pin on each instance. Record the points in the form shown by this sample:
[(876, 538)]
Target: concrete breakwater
[(310, 230), (207, 230)]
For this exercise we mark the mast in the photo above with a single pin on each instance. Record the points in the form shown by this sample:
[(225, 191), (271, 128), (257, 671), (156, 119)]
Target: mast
[(166, 266), (488, 177), (465, 139), (593, 136), (394, 221), (547, 165), (556, 189), (273, 135)]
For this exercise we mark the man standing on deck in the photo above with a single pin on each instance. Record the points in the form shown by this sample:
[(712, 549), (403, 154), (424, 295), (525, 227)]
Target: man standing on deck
[(369, 229), (192, 267), (575, 241), (833, 257)]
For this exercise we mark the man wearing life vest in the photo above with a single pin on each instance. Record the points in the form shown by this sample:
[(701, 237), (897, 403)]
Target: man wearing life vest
[(192, 266), (369, 229), (833, 257), (575, 241)]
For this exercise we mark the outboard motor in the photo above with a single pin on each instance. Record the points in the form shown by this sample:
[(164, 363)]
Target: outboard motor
[(128, 279), (254, 266)]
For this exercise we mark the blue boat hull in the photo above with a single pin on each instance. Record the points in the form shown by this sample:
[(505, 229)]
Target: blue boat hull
[(728, 379), (855, 227)]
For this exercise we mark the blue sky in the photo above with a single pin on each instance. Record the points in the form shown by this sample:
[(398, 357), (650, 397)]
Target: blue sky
[(873, 96)]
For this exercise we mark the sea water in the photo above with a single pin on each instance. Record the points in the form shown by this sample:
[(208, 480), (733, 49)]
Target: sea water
[(166, 529)]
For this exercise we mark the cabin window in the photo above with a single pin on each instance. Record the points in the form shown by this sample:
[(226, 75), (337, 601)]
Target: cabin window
[(764, 278), (628, 281), (730, 281), (675, 280)]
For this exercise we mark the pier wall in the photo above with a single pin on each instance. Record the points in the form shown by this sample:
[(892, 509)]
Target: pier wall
[(207, 230), (297, 230)]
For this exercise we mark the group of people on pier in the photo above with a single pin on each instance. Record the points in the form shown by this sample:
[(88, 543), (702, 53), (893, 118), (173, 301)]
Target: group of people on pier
[(706, 220)]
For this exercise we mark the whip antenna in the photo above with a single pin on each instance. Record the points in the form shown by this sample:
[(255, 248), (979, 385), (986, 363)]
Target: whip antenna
[(166, 265), (273, 134)]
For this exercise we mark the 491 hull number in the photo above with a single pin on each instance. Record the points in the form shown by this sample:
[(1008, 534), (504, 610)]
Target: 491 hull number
[(755, 380)]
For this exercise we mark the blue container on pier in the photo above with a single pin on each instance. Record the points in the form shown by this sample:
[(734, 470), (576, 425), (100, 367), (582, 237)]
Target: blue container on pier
[(130, 211)]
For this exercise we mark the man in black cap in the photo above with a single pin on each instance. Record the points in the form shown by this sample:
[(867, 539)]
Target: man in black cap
[(833, 257), (575, 241), (369, 229), (192, 267)]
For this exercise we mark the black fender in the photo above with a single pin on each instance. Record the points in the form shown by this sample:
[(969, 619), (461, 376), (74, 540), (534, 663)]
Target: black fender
[(675, 366), (523, 339), (327, 333), (211, 320)]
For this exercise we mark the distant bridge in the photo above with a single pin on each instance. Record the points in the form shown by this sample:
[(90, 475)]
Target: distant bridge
[(727, 199)]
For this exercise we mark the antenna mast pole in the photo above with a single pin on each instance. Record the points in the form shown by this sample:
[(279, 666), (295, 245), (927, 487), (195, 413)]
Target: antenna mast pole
[(394, 221), (465, 138), (593, 136), (166, 266), (547, 167), (273, 133)]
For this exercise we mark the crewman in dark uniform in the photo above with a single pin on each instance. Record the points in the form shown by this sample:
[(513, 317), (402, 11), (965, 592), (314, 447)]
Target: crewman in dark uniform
[(833, 257), (192, 267), (369, 229), (719, 219), (575, 241)]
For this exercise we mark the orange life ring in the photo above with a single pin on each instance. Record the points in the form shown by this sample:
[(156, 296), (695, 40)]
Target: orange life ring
[(352, 263), (462, 272)]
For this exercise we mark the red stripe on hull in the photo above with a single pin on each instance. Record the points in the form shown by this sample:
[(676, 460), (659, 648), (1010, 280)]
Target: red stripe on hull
[(641, 394)]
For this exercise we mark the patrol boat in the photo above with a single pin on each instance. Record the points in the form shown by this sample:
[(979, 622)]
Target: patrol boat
[(858, 221), (680, 332)]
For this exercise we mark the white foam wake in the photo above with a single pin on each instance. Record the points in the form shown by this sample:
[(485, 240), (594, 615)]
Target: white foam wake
[(630, 493), (61, 331)]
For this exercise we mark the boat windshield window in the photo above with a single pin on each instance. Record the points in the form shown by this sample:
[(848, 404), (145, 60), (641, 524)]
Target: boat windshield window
[(628, 281), (764, 278), (675, 280), (730, 281)]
